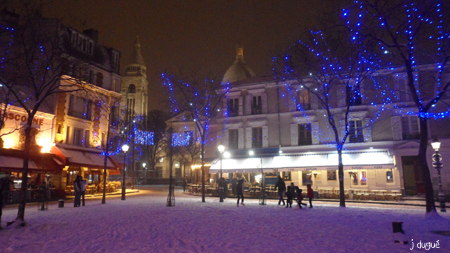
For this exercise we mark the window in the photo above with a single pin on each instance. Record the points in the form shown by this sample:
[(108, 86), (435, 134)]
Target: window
[(80, 107), (257, 137), (115, 61), (304, 134), (189, 137), (359, 178), (331, 175), (287, 176), (257, 105), (233, 107), (306, 177), (132, 88), (78, 136), (303, 100), (389, 176), (410, 128), (355, 131), (233, 139), (353, 93), (68, 135), (87, 138)]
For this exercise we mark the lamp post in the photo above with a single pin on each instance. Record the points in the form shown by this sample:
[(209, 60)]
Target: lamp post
[(144, 165), (437, 164), (221, 149), (124, 149)]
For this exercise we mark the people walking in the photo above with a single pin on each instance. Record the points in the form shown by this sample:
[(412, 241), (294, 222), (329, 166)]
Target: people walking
[(300, 198), (310, 194), (233, 185), (77, 190), (281, 189), (184, 184), (293, 193), (240, 190)]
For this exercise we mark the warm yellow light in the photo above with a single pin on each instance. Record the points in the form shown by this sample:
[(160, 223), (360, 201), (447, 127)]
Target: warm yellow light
[(8, 143), (198, 166)]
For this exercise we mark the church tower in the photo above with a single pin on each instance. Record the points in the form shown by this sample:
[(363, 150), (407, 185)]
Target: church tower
[(134, 86)]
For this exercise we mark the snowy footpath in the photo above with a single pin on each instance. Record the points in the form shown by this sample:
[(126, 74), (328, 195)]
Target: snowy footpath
[(143, 223)]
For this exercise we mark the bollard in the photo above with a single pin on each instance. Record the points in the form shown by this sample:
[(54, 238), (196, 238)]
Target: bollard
[(60, 203)]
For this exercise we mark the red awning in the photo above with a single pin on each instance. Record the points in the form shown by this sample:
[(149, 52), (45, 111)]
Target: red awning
[(83, 157)]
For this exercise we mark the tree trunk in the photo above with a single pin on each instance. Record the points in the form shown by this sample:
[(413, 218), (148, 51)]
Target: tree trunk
[(203, 171), (429, 194), (341, 180), (26, 154)]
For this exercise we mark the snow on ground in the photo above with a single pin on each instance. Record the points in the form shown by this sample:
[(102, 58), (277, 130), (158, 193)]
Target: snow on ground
[(143, 223)]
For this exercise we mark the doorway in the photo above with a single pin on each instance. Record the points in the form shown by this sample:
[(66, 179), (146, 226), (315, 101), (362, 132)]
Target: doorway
[(413, 176)]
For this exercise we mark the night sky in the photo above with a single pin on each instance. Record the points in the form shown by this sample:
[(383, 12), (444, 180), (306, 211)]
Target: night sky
[(192, 35)]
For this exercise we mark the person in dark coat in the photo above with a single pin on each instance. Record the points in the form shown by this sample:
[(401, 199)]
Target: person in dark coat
[(233, 185), (289, 197), (184, 184), (5, 184), (77, 190), (293, 193), (240, 190), (281, 189), (310, 194)]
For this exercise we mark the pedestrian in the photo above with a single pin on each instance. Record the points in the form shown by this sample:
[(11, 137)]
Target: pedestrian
[(83, 184), (240, 190), (310, 194), (293, 193), (77, 190), (184, 184), (300, 198), (225, 188), (5, 185), (233, 185), (281, 189), (289, 197)]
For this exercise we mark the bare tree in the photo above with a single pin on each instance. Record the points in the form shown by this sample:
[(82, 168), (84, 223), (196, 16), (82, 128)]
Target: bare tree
[(200, 98), (34, 71), (411, 35)]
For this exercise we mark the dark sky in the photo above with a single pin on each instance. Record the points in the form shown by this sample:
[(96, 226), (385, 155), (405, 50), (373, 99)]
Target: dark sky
[(192, 34)]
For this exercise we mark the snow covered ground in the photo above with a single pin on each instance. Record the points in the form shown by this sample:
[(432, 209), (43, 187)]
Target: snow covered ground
[(143, 223)]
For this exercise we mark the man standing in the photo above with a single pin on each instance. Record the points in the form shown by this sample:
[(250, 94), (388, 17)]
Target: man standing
[(281, 189), (83, 184), (77, 190)]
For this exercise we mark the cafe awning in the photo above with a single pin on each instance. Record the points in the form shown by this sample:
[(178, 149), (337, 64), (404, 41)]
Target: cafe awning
[(311, 161), (37, 163), (83, 157)]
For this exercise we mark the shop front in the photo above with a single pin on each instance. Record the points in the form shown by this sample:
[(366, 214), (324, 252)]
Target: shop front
[(364, 171), (87, 163)]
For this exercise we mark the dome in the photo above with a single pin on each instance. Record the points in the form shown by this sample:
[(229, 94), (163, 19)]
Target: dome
[(239, 70)]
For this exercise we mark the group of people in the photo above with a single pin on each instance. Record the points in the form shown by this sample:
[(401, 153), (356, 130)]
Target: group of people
[(292, 192), (79, 186)]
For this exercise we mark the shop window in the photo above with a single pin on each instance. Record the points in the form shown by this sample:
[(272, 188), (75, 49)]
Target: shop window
[(304, 134), (359, 178), (306, 177), (410, 128), (233, 139), (256, 105), (389, 176), (233, 107), (355, 131), (303, 100), (331, 175), (257, 137), (287, 176)]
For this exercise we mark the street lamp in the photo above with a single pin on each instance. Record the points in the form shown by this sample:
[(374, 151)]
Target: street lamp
[(437, 164), (221, 149), (144, 165), (125, 150)]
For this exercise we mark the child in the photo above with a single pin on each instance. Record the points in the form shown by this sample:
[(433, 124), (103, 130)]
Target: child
[(289, 197), (300, 198)]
